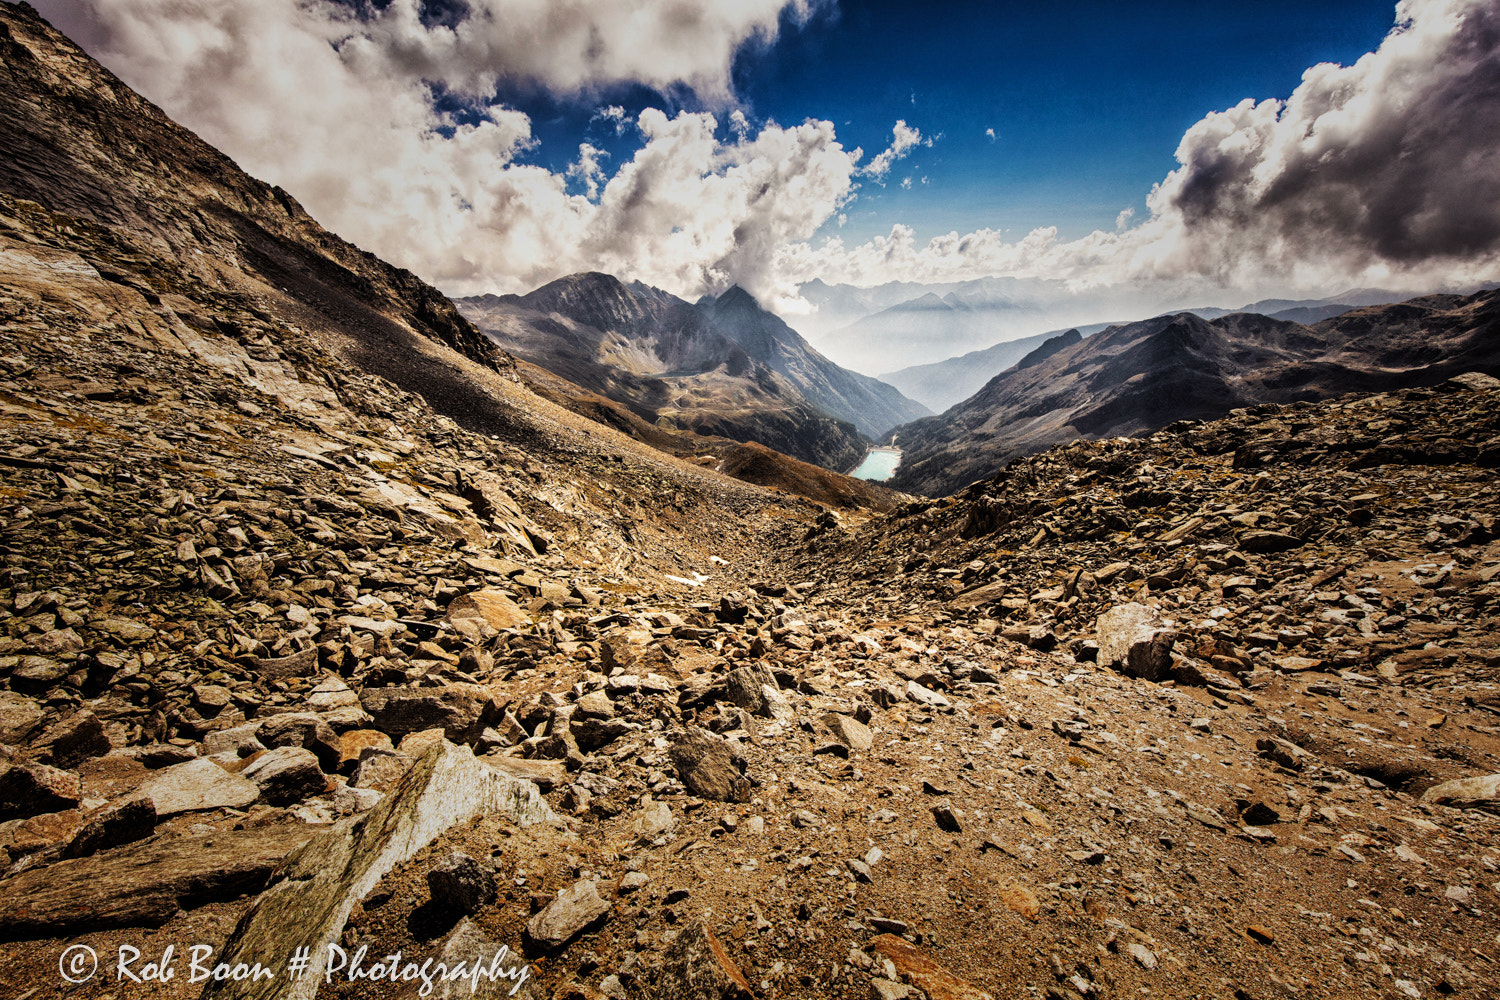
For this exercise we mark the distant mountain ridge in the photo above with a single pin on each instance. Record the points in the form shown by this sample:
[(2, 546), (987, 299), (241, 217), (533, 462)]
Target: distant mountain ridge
[(1138, 377), (723, 366), (943, 383)]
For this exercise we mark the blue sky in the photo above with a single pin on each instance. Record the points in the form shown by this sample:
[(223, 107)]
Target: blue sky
[(1275, 149), (1088, 100)]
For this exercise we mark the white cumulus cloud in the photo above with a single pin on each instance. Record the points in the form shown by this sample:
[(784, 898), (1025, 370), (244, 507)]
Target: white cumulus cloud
[(904, 139), (1385, 172), (341, 104)]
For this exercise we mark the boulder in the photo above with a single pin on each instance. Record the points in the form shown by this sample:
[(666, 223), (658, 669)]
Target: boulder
[(121, 822), (1481, 792), (1268, 541), (30, 789), (304, 730), (20, 716), (241, 740), (850, 732), (706, 765), (495, 608), (747, 688), (353, 744), (633, 652), (458, 882), (575, 909), (696, 967), (504, 974), (286, 775), (195, 786), (144, 884), (309, 901), (461, 710), (1133, 638)]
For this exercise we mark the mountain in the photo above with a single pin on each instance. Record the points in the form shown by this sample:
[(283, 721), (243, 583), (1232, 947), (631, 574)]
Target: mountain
[(868, 403), (1138, 377), (944, 383), (666, 362), (941, 384)]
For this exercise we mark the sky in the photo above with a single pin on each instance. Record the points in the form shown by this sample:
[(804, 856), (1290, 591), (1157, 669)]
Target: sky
[(1165, 152)]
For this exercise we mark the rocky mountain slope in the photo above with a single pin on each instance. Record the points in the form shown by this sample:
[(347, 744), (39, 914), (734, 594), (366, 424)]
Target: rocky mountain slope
[(1138, 377), (300, 671), (653, 354), (870, 404), (723, 367)]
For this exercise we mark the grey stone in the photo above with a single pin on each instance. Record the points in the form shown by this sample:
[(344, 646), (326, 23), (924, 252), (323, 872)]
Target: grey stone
[(241, 740), (459, 882), (309, 902), (654, 819), (924, 696), (696, 967), (286, 775), (197, 785), (502, 974), (706, 765), (853, 734), (1133, 638), (575, 909)]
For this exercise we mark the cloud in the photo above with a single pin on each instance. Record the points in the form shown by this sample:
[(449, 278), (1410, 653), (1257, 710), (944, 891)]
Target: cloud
[(1383, 172), (614, 117), (1393, 162), (588, 170), (904, 140), (991, 133), (339, 104)]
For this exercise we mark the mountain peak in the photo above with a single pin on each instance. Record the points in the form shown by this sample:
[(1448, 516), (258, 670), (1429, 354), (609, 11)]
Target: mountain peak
[(736, 298)]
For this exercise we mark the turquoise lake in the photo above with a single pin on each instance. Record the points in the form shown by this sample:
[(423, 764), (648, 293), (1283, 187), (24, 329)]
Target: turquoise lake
[(878, 466)]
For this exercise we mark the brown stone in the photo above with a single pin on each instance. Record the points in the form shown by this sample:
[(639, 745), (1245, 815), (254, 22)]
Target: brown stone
[(923, 972), (494, 607), (1021, 900), (143, 884)]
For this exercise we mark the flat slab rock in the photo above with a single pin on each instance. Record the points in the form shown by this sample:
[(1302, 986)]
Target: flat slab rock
[(923, 972), (197, 785), (143, 884), (1482, 792), (566, 916), (309, 902)]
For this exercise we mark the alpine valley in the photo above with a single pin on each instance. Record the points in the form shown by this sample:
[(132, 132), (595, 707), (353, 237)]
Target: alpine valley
[(341, 619)]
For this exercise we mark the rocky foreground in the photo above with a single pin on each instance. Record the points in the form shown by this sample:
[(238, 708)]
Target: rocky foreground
[(1195, 715)]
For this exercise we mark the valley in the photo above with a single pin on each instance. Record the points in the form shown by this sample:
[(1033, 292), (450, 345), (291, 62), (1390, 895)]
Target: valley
[(336, 615)]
